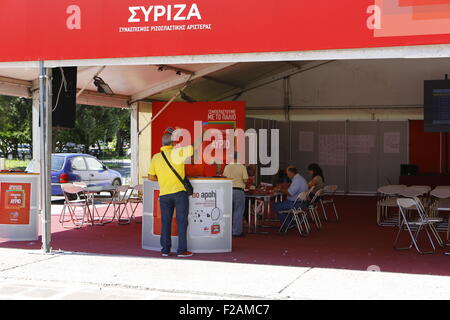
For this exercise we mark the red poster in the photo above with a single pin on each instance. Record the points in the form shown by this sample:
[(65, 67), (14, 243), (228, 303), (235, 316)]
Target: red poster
[(15, 203), (213, 115), (157, 223)]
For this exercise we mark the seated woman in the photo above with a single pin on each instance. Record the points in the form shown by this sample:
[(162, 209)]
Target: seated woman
[(317, 179)]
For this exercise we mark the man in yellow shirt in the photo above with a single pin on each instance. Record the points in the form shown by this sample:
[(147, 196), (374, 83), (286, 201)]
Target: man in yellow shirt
[(172, 193), (238, 172)]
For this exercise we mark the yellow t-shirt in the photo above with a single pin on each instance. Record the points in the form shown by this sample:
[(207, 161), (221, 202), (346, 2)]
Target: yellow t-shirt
[(168, 181), (237, 172)]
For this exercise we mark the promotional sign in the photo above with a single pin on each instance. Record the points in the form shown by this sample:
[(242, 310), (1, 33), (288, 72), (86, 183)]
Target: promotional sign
[(212, 115), (157, 222), (15, 203), (86, 29), (206, 213)]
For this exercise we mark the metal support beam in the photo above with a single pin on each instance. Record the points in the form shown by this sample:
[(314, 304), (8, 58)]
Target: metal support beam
[(15, 87), (273, 78), (180, 80), (45, 117), (287, 98), (134, 143)]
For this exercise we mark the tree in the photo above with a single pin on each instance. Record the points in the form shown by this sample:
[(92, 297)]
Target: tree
[(94, 126), (123, 132)]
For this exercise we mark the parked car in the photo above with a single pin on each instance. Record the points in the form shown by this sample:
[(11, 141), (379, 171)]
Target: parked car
[(78, 167)]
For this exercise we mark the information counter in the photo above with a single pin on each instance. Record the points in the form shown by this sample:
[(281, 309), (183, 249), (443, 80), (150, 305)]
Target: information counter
[(19, 199), (210, 217)]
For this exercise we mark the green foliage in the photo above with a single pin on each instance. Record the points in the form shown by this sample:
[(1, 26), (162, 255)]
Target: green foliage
[(95, 126), (15, 123)]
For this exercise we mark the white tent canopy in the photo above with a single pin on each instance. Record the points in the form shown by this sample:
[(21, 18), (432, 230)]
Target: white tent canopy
[(254, 77)]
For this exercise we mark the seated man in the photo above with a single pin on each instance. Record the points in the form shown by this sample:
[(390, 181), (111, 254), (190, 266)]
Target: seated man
[(297, 186)]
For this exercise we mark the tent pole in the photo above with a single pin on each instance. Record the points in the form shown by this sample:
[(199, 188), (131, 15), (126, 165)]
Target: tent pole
[(45, 132)]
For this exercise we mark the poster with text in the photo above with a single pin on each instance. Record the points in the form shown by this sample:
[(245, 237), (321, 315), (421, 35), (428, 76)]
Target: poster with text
[(332, 149), (15, 203), (223, 115), (392, 142)]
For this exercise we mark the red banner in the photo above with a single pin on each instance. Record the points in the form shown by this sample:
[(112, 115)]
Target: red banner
[(212, 115), (86, 29), (15, 203)]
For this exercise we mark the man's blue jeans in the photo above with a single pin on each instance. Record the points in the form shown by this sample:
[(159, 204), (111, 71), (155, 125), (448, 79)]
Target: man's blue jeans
[(283, 206), (238, 211), (168, 203)]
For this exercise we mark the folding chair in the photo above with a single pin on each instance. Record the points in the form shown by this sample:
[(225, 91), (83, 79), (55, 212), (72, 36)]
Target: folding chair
[(330, 191), (422, 222), (119, 201), (441, 202), (136, 200), (312, 208), (71, 191), (296, 215)]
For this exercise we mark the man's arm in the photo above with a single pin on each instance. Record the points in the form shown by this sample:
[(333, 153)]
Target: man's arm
[(152, 177)]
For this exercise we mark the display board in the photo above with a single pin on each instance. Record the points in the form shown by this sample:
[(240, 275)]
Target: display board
[(331, 146), (210, 217), (357, 156), (19, 198), (394, 139), (304, 139), (212, 115), (362, 156)]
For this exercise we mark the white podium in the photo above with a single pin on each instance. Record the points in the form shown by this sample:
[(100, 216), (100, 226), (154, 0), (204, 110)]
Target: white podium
[(210, 217), (19, 207)]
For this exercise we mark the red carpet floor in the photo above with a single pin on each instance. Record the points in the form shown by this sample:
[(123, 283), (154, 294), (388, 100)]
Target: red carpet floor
[(355, 242)]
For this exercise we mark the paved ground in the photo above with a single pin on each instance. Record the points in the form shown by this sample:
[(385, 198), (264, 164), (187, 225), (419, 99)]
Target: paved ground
[(31, 275)]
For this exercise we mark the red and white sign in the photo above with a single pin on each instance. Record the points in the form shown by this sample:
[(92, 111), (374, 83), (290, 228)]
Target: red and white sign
[(15, 203), (86, 29), (221, 115)]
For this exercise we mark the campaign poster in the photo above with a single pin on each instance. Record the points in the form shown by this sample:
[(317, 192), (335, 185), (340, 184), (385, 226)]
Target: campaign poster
[(222, 115), (15, 203)]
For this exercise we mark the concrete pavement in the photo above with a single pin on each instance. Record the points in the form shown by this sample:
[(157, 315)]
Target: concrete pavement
[(31, 275)]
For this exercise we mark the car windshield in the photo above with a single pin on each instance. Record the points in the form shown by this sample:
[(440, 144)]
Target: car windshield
[(57, 162)]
